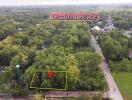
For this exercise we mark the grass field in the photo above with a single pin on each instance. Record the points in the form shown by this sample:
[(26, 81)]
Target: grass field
[(124, 82)]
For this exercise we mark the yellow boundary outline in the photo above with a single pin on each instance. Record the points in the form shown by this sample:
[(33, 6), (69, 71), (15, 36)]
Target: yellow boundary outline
[(48, 88)]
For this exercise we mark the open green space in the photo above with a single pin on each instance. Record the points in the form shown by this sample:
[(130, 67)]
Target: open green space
[(124, 82)]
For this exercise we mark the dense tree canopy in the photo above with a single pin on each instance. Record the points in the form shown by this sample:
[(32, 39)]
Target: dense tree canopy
[(40, 45), (116, 48)]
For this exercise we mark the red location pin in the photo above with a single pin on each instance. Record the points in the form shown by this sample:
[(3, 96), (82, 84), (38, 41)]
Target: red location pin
[(50, 74)]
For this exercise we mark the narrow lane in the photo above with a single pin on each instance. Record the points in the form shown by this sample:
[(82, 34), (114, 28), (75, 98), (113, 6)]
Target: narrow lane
[(113, 92)]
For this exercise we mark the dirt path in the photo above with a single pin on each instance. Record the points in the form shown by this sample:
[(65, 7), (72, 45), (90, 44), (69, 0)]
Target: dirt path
[(56, 94), (70, 93)]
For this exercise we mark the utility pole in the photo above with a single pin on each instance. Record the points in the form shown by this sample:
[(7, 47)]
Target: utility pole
[(18, 72)]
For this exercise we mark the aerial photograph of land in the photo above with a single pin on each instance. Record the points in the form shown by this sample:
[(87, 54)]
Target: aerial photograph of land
[(46, 59)]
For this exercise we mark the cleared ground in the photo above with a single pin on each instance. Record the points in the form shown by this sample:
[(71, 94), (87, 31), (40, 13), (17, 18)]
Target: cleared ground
[(124, 82)]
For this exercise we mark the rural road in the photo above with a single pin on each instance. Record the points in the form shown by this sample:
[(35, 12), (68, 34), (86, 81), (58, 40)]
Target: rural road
[(113, 92)]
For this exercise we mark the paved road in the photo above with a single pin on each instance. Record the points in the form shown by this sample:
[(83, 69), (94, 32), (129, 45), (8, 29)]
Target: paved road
[(113, 92)]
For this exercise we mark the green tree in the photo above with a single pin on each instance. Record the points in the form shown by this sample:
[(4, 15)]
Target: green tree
[(73, 72), (112, 49)]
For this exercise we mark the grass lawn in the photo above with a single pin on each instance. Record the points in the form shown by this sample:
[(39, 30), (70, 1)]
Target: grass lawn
[(124, 82)]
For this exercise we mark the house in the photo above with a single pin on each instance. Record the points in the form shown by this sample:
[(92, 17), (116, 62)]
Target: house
[(38, 25), (96, 28), (127, 33), (19, 29), (99, 23), (109, 24)]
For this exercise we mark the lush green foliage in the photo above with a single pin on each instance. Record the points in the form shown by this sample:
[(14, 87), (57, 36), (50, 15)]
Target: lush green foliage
[(116, 48), (51, 45)]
